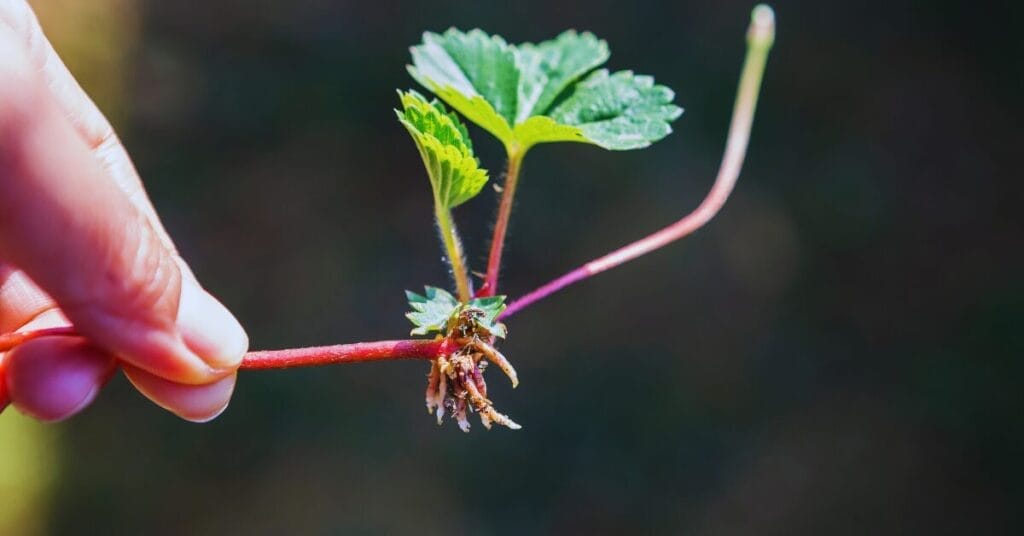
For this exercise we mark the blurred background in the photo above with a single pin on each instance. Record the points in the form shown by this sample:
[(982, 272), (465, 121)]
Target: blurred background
[(839, 352)]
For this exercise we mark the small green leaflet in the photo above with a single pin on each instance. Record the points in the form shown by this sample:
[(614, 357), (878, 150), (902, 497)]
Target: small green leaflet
[(433, 310), (492, 306), (625, 110), (532, 93), (447, 152)]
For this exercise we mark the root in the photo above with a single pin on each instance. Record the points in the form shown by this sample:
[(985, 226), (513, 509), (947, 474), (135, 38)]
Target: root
[(456, 386)]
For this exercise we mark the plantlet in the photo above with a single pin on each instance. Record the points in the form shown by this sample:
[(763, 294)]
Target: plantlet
[(523, 95)]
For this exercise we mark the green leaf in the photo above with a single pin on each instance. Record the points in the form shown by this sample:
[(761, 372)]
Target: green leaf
[(436, 309), (548, 68), (474, 73), (431, 311), (492, 306), (473, 63), (531, 93), (619, 111), (447, 152)]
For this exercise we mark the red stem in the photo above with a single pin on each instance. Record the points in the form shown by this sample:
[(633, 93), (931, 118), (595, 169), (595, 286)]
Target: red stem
[(292, 357), (10, 340), (277, 359), (508, 193), (344, 353)]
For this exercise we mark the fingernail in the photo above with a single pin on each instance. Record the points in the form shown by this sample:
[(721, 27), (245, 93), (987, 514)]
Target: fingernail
[(210, 417), (209, 329)]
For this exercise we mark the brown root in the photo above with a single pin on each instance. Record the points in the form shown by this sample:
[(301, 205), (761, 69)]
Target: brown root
[(456, 386)]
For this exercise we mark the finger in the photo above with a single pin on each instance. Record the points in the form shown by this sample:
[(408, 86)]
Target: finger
[(81, 240), (19, 18), (53, 378), (84, 116), (196, 403), (63, 384), (22, 307)]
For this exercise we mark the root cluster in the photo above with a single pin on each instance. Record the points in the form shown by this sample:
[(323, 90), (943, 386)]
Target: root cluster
[(456, 386)]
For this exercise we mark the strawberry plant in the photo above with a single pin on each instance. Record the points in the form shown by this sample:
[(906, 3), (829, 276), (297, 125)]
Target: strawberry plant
[(523, 95)]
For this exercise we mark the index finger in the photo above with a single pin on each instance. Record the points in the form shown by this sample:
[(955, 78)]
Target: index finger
[(83, 114)]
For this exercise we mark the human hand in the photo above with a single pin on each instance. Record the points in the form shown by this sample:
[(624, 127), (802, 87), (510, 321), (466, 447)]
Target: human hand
[(81, 243)]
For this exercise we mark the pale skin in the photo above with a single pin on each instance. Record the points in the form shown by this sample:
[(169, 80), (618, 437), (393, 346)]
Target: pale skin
[(81, 244)]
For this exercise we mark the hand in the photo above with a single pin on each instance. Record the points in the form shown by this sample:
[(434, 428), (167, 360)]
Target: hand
[(80, 243)]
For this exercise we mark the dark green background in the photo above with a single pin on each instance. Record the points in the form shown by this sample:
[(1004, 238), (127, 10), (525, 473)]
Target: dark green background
[(839, 352)]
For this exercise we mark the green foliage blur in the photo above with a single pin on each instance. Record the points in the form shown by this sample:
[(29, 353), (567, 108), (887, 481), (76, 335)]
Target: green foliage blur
[(839, 352)]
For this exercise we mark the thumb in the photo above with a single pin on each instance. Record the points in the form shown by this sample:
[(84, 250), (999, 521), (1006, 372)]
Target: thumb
[(77, 235)]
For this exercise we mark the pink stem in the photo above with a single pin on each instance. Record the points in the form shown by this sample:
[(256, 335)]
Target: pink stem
[(546, 290), (690, 223), (759, 38)]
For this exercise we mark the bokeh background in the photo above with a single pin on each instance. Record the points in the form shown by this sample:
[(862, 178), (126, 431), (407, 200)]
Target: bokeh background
[(839, 352)]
